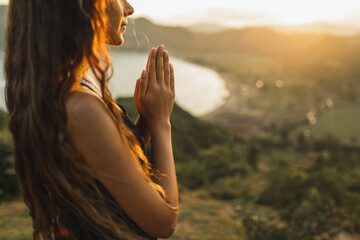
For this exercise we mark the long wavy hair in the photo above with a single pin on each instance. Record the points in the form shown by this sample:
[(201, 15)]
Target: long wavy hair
[(47, 43)]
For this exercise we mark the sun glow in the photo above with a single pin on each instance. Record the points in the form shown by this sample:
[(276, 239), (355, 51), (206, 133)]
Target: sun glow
[(300, 12), (255, 12), (240, 13)]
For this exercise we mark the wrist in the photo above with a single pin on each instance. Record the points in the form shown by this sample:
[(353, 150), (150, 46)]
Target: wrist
[(159, 126)]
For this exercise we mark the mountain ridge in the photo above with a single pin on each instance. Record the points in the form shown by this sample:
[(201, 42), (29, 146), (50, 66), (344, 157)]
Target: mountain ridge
[(145, 34)]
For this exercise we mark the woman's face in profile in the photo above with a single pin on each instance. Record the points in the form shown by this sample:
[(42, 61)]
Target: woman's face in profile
[(118, 11)]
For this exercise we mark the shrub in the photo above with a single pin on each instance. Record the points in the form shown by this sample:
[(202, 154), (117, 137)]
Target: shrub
[(9, 185)]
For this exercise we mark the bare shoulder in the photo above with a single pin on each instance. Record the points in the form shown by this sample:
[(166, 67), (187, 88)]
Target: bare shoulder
[(81, 100), (83, 105), (88, 121)]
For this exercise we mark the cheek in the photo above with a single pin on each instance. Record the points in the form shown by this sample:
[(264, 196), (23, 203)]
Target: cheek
[(115, 16)]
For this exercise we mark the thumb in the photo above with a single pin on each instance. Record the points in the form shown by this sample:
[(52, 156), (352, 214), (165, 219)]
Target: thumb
[(143, 85), (136, 92)]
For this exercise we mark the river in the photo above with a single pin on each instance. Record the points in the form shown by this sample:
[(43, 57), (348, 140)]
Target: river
[(199, 90)]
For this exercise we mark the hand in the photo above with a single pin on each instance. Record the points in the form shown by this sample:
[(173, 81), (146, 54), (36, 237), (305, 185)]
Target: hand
[(155, 91)]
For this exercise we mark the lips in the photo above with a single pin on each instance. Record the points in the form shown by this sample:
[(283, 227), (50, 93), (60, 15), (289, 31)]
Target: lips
[(123, 26)]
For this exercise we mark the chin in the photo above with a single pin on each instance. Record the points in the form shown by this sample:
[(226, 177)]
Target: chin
[(115, 41), (121, 42), (118, 43)]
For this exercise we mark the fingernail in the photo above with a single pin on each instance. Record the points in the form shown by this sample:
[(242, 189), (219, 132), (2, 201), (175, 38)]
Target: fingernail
[(143, 74)]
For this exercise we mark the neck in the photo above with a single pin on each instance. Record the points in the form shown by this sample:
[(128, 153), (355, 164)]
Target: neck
[(82, 72)]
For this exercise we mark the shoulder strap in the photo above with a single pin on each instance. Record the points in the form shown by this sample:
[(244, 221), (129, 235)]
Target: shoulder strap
[(90, 85)]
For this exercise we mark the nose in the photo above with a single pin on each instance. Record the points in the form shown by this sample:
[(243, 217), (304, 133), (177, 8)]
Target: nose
[(128, 9)]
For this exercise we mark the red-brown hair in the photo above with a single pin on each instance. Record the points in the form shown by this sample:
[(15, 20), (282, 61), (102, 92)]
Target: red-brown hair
[(47, 43)]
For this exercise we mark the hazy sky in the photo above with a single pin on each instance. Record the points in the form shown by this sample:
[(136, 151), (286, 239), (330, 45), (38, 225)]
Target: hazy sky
[(249, 12)]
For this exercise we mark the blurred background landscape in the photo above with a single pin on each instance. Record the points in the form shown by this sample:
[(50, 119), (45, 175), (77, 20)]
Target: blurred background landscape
[(278, 155)]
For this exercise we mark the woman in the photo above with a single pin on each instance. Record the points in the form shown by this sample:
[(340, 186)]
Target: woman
[(79, 159)]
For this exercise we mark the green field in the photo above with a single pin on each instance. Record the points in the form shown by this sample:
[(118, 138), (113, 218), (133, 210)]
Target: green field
[(199, 218), (15, 222), (341, 122)]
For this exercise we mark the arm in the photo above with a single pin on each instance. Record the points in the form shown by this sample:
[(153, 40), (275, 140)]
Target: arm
[(155, 95), (161, 149), (94, 134)]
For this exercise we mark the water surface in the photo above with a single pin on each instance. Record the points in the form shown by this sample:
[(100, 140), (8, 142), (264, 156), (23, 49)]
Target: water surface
[(199, 90)]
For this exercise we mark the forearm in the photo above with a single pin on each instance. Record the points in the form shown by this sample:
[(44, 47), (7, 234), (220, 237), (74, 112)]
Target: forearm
[(142, 125), (163, 161)]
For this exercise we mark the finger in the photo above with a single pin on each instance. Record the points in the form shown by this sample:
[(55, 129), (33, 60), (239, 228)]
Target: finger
[(160, 65), (143, 84), (149, 59), (166, 69), (136, 92), (152, 69), (172, 78)]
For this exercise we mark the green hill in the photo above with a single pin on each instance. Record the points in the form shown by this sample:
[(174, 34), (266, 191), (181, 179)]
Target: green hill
[(204, 152), (197, 146), (2, 25), (257, 40), (299, 190)]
